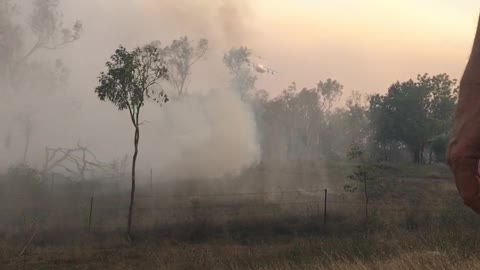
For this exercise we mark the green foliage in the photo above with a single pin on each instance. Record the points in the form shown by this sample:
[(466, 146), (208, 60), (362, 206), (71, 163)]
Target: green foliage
[(131, 78), (364, 173), (366, 177), (414, 112), (439, 147)]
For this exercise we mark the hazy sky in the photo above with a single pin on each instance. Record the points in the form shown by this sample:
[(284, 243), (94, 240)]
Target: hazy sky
[(365, 44)]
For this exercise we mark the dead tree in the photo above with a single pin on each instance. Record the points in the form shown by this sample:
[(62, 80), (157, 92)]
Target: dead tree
[(78, 162)]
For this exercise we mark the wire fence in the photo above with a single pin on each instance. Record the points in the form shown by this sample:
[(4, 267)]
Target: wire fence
[(109, 212)]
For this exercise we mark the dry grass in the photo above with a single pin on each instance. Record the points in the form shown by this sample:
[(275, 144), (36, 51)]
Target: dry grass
[(443, 249), (425, 231)]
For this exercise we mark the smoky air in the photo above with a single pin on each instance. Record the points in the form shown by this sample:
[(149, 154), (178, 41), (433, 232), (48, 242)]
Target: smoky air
[(228, 134)]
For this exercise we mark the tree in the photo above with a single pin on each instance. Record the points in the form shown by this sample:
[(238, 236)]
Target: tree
[(345, 126), (326, 93), (130, 79), (365, 175), (21, 76), (299, 121), (79, 161), (357, 121), (414, 112), (439, 145), (297, 118), (26, 121), (307, 119), (330, 91), (48, 33), (443, 94), (179, 57), (237, 60)]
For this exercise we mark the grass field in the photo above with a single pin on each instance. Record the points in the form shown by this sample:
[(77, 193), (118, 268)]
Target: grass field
[(422, 225), (443, 249)]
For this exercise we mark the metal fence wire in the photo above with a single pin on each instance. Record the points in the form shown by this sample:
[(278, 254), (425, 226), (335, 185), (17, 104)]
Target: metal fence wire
[(109, 212)]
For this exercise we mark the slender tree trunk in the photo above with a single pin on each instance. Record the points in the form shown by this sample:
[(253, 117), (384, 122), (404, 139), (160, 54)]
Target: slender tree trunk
[(366, 214), (366, 206), (27, 145), (28, 135), (132, 191), (422, 155), (182, 85), (417, 156)]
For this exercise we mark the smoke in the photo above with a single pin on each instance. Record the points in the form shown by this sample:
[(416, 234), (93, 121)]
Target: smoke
[(234, 17), (205, 136), (202, 135), (225, 20)]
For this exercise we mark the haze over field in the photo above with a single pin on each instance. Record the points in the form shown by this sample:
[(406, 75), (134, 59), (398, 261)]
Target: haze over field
[(366, 45), (259, 134)]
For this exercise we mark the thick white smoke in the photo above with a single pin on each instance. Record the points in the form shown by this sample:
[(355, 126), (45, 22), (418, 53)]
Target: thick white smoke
[(204, 136), (201, 135)]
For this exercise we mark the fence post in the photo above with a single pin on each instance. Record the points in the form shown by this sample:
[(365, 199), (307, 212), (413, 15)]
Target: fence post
[(151, 181), (152, 200), (325, 209), (318, 209), (90, 216), (52, 181)]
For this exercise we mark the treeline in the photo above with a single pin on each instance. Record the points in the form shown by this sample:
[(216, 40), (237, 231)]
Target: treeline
[(410, 122)]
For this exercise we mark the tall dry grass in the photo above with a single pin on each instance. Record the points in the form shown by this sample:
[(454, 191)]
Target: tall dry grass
[(433, 249)]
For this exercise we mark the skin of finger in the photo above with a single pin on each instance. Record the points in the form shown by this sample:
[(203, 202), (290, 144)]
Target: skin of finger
[(464, 148), (467, 181)]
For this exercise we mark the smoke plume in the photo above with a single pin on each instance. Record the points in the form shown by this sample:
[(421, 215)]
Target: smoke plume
[(202, 135)]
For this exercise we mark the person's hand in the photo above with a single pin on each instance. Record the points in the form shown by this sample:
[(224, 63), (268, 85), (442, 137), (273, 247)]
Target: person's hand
[(464, 148), (467, 180)]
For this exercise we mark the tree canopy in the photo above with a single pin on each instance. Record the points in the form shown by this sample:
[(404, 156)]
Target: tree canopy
[(179, 57), (414, 112), (131, 79), (236, 61)]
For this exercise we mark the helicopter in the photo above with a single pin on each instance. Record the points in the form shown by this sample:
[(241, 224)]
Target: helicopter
[(261, 68), (258, 67)]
